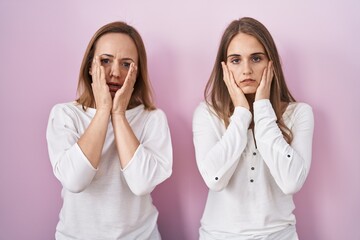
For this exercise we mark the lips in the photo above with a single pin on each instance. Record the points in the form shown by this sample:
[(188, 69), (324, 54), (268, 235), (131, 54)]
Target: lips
[(249, 80), (113, 86)]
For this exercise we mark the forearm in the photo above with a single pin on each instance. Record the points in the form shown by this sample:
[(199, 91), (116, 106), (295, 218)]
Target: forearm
[(126, 141), (217, 152), (288, 163), (92, 141)]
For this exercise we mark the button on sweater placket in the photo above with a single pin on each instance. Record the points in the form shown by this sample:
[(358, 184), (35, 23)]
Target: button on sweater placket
[(252, 166)]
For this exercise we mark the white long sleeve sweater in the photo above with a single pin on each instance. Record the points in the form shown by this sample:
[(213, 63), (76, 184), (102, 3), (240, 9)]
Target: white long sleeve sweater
[(108, 202), (251, 188)]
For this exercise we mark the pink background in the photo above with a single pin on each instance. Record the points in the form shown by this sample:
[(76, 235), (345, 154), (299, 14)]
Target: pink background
[(42, 44)]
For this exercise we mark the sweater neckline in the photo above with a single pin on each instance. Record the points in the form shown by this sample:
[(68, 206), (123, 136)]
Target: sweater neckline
[(129, 112)]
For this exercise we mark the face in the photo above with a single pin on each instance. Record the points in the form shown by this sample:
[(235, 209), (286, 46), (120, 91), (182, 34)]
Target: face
[(116, 52), (246, 59)]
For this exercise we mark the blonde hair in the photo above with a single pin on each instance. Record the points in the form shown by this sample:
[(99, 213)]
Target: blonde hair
[(216, 93), (142, 93)]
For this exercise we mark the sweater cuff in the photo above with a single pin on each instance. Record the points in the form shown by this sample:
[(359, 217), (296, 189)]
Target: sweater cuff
[(263, 108), (137, 152), (76, 151), (241, 113)]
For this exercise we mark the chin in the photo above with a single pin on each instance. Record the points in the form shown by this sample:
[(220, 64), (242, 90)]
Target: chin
[(249, 90), (112, 94)]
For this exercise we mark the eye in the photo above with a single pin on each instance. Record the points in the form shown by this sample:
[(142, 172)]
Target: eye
[(235, 60), (126, 64), (256, 58), (105, 61)]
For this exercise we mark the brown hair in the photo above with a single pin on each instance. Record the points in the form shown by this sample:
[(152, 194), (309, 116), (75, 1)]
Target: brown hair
[(142, 93), (216, 93)]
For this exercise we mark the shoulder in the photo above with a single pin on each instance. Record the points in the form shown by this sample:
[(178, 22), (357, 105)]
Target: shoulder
[(63, 110), (205, 114), (203, 109), (299, 111), (155, 115), (295, 108), (63, 107)]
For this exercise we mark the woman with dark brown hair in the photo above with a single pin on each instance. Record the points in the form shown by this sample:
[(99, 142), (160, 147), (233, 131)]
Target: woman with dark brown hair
[(110, 147), (253, 141)]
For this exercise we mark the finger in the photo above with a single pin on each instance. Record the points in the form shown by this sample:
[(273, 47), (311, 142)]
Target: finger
[(232, 80), (225, 73), (102, 78), (93, 68), (98, 69), (95, 75), (270, 72), (93, 72), (263, 78), (131, 76)]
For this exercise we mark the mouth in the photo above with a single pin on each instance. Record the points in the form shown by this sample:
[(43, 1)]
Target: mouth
[(249, 80), (113, 86)]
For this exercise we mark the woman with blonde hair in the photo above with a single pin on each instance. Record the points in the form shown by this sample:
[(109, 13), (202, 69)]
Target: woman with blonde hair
[(253, 141), (110, 147)]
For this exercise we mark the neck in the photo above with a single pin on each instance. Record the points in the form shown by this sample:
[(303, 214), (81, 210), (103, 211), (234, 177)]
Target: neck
[(251, 99)]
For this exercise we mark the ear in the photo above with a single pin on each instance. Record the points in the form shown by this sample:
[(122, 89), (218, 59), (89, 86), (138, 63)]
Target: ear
[(90, 71)]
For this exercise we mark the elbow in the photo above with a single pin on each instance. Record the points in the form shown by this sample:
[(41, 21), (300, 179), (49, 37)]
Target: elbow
[(75, 175), (142, 188), (214, 181), (293, 184), (215, 184), (72, 184), (215, 187), (74, 187), (290, 189)]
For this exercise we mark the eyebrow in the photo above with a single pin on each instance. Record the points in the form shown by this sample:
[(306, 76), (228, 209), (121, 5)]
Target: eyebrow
[(109, 55), (238, 55)]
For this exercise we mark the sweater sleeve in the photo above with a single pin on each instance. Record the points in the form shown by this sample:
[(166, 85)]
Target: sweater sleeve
[(70, 165), (152, 161), (217, 154), (288, 163)]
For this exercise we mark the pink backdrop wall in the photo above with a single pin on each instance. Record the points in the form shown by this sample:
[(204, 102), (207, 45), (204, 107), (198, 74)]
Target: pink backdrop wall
[(42, 44)]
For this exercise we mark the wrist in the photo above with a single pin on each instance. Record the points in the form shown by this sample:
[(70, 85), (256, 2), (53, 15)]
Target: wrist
[(103, 110), (118, 115), (262, 96), (241, 104)]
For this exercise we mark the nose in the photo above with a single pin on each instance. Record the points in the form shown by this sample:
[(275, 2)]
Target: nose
[(115, 70), (246, 68)]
